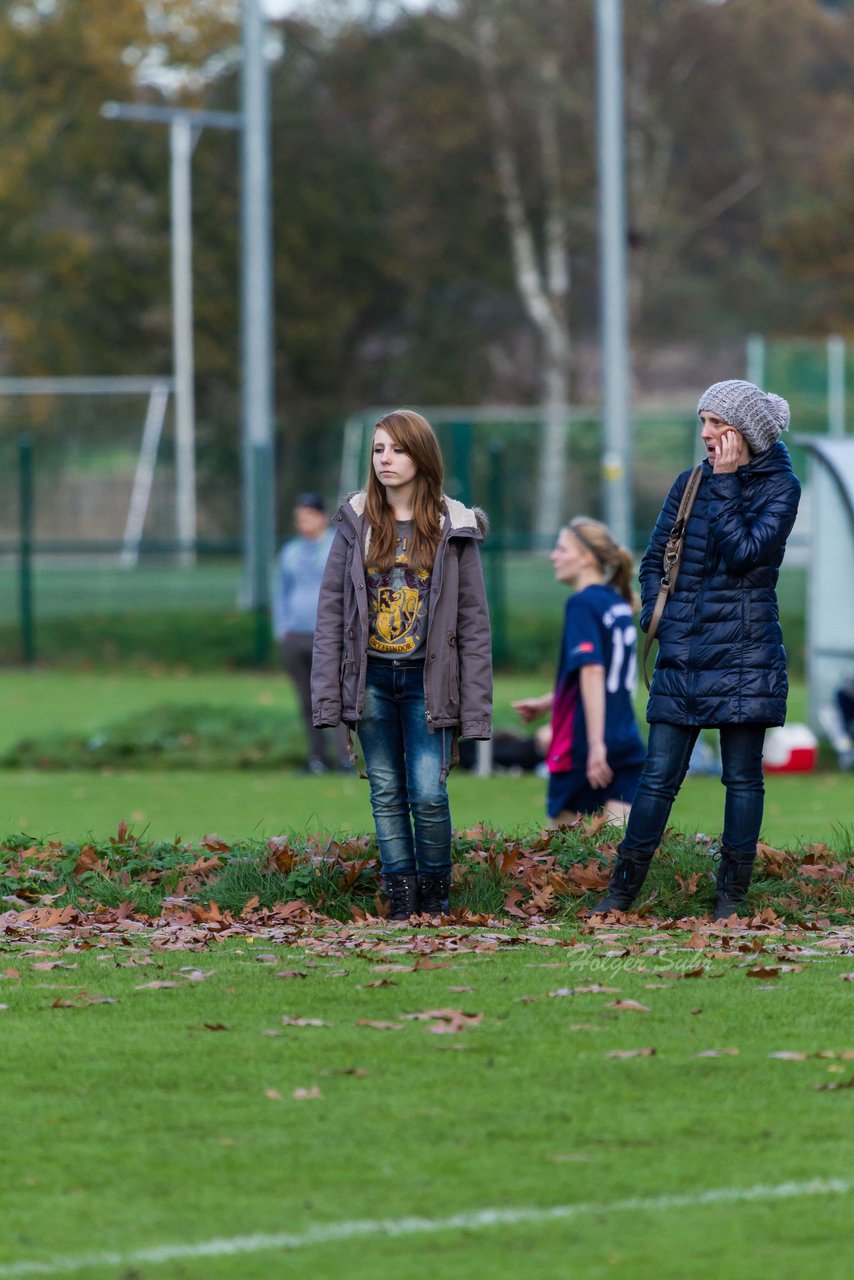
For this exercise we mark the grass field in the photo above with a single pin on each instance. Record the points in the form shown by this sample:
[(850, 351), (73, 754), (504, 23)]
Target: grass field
[(173, 1114), (159, 1118), (799, 808)]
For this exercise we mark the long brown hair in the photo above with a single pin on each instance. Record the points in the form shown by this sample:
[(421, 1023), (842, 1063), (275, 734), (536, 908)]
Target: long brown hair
[(615, 561), (413, 434)]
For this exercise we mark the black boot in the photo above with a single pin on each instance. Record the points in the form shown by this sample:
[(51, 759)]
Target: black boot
[(403, 892), (731, 884), (433, 891), (626, 880)]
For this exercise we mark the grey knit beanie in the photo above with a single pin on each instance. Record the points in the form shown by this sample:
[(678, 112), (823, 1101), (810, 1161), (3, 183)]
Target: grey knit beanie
[(760, 416)]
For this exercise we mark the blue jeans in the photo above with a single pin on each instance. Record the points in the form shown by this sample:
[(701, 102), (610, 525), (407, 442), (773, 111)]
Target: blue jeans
[(406, 767), (668, 753)]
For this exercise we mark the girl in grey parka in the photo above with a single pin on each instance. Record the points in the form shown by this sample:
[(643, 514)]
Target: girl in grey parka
[(402, 650)]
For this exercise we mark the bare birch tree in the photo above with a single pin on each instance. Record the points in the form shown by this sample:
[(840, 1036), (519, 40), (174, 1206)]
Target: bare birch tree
[(482, 30)]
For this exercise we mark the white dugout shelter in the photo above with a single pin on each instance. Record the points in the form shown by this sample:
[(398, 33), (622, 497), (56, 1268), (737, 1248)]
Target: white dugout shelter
[(830, 577)]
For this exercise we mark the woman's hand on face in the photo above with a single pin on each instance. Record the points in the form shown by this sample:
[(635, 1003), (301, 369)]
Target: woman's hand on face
[(599, 772), (727, 453)]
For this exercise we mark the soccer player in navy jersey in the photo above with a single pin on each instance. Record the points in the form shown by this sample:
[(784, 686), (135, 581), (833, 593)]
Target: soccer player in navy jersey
[(596, 751)]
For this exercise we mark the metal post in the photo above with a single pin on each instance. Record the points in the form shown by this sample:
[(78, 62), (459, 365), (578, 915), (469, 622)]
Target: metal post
[(257, 315), (25, 548), (495, 553), (184, 129), (461, 454), (181, 148), (756, 359), (614, 321), (836, 385)]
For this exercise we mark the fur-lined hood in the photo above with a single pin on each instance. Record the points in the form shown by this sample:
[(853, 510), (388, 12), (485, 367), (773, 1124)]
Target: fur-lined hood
[(459, 520)]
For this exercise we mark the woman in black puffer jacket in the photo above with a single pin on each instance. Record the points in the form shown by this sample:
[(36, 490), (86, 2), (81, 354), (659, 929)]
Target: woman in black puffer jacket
[(721, 662)]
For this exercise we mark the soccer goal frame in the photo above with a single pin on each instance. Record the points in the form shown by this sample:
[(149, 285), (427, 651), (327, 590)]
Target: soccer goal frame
[(157, 392)]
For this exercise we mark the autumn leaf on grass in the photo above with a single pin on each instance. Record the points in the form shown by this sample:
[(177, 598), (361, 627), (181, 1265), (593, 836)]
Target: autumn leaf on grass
[(380, 982), (82, 1001), (762, 971), (789, 1055), (210, 913), (447, 1021), (273, 1095), (847, 977), (214, 843), (88, 860), (304, 1095), (291, 973), (778, 863), (511, 904), (204, 866), (718, 1053), (835, 1084), (196, 975), (157, 985), (647, 1052), (379, 1026), (629, 1006), (590, 876), (592, 826), (304, 1022), (460, 1022), (13, 974), (593, 990)]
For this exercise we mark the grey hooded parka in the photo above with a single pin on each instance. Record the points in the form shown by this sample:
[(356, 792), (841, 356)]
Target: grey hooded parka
[(458, 661)]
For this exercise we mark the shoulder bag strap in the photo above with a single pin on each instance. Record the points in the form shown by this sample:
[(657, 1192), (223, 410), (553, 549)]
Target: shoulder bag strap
[(672, 560)]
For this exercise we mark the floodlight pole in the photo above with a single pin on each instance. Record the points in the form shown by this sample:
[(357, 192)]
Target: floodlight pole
[(184, 130), (257, 325), (614, 317)]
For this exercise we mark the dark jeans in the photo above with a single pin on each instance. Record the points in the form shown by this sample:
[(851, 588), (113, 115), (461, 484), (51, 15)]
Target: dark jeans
[(668, 752), (406, 768), (295, 649)]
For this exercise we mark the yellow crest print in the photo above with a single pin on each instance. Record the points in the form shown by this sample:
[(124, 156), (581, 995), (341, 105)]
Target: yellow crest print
[(397, 613)]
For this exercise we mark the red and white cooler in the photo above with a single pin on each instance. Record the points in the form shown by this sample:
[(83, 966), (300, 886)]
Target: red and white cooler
[(791, 748)]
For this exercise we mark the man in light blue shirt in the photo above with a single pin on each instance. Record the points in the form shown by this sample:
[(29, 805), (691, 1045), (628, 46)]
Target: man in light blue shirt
[(298, 573)]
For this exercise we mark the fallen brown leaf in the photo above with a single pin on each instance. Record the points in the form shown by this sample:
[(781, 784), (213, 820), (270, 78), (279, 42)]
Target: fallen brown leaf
[(835, 1084), (647, 1052)]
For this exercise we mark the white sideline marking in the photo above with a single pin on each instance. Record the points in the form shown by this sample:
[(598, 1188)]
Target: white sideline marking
[(475, 1221)]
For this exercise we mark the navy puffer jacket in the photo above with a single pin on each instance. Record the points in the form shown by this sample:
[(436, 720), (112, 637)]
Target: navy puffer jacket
[(721, 658)]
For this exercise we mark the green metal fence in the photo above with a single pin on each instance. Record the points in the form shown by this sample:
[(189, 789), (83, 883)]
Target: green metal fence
[(69, 590)]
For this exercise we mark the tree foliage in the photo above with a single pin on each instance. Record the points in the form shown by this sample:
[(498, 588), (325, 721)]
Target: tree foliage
[(394, 278)]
